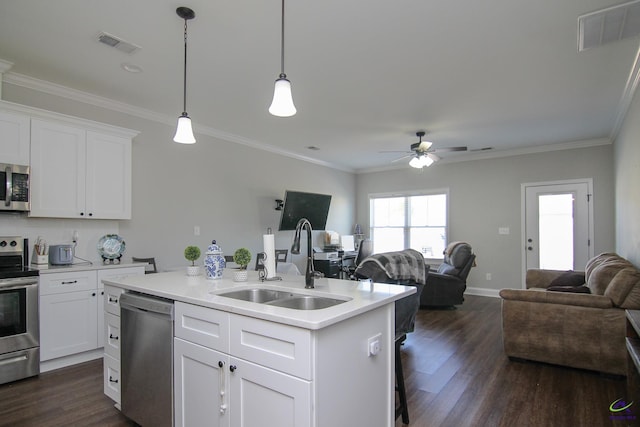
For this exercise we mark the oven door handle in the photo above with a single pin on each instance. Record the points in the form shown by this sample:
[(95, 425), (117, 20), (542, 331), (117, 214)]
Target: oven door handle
[(14, 359), (17, 283), (9, 186)]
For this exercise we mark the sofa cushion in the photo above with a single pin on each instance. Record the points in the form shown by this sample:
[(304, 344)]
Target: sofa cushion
[(602, 269), (569, 278), (624, 288)]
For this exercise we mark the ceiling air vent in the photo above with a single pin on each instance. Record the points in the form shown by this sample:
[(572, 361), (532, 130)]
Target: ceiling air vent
[(121, 45), (609, 25)]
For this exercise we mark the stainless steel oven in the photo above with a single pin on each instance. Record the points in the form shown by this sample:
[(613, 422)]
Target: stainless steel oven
[(19, 322)]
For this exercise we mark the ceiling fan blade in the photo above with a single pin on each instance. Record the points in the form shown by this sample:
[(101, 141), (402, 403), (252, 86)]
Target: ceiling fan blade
[(402, 158), (395, 151), (447, 149)]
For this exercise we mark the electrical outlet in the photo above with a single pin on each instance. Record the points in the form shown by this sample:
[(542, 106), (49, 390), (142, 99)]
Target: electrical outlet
[(373, 345), (74, 237), (488, 276), (196, 230)]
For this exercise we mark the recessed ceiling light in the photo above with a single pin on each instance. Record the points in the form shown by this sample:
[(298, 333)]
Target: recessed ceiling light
[(131, 68)]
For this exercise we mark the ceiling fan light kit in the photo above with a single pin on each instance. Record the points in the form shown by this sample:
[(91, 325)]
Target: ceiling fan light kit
[(422, 152), (184, 131)]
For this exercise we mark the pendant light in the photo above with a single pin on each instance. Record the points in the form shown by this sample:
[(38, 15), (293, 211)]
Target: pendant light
[(282, 103), (184, 132)]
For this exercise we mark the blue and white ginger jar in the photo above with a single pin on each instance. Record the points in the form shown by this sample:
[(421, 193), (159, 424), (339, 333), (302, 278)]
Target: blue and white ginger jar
[(214, 262)]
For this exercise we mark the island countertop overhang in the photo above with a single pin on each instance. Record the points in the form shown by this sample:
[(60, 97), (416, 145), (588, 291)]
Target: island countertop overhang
[(362, 296)]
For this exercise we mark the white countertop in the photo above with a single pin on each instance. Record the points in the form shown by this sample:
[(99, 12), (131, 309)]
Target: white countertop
[(362, 296)]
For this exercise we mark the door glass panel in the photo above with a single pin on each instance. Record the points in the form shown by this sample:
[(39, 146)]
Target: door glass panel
[(556, 231)]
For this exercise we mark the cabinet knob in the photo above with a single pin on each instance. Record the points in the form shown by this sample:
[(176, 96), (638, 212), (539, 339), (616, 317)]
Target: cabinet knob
[(90, 214), (220, 364), (232, 368), (93, 294), (81, 213)]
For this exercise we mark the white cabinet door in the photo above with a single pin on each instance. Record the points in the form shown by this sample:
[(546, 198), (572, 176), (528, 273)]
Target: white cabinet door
[(14, 138), (263, 397), (79, 173), (69, 323), (108, 192), (200, 391), (58, 170)]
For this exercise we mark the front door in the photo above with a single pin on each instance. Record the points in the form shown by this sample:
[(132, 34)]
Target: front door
[(557, 225)]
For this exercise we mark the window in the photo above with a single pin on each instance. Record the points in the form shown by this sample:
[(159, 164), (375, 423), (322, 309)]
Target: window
[(416, 221)]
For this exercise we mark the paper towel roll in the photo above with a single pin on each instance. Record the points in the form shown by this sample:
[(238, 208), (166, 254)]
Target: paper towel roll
[(269, 243)]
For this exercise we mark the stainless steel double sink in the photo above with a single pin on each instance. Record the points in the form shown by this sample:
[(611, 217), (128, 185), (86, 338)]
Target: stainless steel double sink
[(282, 298)]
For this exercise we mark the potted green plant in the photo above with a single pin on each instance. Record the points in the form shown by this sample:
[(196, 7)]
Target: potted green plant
[(192, 253), (242, 257)]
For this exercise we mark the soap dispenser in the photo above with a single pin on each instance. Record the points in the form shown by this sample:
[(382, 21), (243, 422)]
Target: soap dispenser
[(214, 263)]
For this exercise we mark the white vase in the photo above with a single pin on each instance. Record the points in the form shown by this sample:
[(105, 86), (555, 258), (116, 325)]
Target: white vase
[(193, 270), (240, 276)]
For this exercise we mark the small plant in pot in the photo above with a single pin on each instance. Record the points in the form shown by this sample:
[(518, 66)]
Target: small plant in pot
[(242, 257), (192, 253)]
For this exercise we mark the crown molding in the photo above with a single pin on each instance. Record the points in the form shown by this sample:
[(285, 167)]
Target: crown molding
[(121, 107)]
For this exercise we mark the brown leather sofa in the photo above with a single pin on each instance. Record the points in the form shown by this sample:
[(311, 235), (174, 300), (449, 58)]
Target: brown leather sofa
[(580, 330)]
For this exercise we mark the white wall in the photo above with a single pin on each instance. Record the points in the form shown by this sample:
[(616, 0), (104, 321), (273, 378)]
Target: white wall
[(226, 189), (485, 195), (627, 177)]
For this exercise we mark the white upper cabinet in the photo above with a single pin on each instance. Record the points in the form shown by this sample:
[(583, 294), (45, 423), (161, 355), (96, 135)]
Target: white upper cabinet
[(14, 138), (79, 173)]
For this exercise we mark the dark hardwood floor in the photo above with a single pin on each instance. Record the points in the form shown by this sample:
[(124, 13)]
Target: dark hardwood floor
[(455, 370)]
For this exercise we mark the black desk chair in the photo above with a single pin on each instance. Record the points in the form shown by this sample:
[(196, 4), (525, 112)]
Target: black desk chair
[(364, 250)]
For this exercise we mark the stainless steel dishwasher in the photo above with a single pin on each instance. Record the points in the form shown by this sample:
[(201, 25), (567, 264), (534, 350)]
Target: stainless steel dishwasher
[(147, 359)]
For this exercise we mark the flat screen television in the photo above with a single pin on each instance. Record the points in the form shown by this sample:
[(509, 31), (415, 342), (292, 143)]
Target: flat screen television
[(312, 206)]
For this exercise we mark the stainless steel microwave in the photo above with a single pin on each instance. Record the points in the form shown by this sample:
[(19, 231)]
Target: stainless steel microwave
[(14, 187)]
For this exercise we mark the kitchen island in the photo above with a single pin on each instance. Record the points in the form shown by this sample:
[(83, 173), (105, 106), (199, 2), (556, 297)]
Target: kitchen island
[(243, 363)]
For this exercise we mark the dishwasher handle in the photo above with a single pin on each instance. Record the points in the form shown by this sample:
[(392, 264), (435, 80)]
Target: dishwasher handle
[(146, 303)]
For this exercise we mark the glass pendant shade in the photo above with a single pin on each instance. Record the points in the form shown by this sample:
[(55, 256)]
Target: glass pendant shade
[(184, 132), (282, 103)]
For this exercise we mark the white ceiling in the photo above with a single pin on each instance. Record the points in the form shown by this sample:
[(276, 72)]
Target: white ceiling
[(366, 74)]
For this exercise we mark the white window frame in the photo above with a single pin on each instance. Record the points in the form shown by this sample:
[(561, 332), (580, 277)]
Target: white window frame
[(430, 192)]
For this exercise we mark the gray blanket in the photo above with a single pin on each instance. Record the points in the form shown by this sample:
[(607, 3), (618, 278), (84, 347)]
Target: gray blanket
[(402, 266)]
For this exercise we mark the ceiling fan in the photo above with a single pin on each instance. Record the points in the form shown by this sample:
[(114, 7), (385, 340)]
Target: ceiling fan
[(422, 154)]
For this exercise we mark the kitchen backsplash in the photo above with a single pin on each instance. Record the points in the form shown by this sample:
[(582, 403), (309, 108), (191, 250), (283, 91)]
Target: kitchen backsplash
[(58, 231)]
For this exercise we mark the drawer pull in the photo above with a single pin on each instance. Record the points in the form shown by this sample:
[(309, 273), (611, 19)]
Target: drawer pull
[(69, 283), (112, 380), (113, 300), (112, 337)]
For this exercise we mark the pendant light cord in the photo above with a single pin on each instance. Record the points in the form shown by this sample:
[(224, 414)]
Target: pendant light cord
[(282, 74), (184, 91)]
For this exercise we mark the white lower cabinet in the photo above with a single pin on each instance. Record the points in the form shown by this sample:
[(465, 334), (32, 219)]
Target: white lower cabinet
[(214, 387)]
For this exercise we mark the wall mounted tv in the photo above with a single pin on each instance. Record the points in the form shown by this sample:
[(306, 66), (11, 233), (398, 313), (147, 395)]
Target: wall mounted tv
[(314, 207)]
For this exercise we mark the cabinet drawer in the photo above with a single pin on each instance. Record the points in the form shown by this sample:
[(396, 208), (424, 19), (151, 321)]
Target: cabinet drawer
[(274, 345), (112, 335), (112, 299), (112, 378), (204, 326), (59, 283)]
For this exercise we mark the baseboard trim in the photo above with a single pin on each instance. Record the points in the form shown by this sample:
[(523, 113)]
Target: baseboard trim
[(483, 292), (62, 362)]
